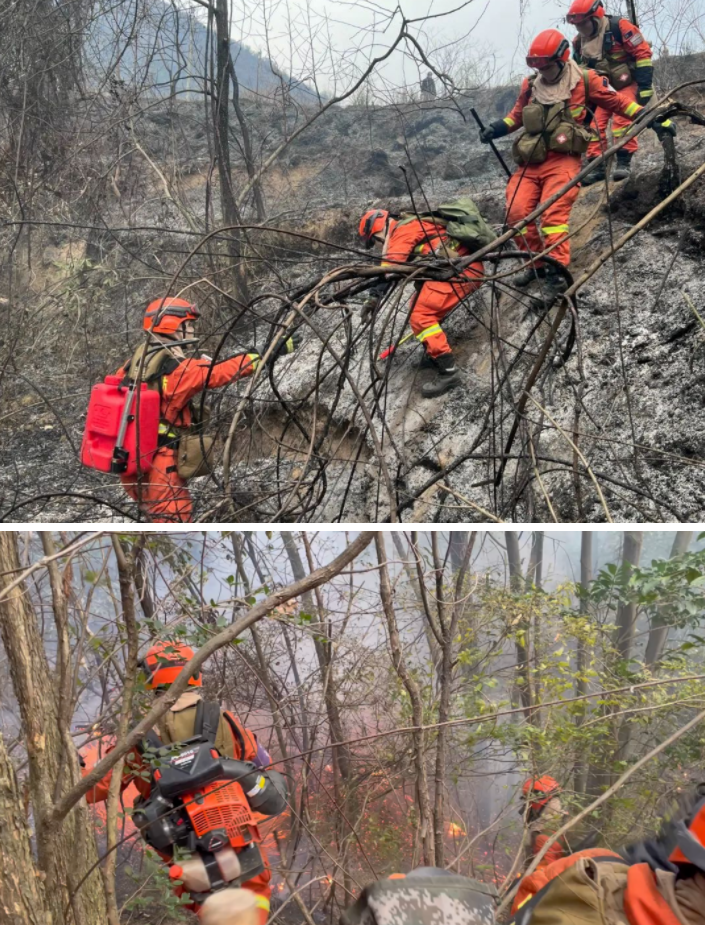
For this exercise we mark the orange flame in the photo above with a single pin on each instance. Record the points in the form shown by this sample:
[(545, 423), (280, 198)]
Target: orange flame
[(455, 829)]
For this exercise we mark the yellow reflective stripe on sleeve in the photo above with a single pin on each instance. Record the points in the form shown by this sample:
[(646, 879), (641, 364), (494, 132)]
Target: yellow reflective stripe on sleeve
[(578, 111), (262, 902), (254, 359), (525, 901), (428, 332), (666, 123), (556, 229), (632, 109), (418, 249), (165, 380), (510, 122), (166, 431), (646, 62), (523, 231)]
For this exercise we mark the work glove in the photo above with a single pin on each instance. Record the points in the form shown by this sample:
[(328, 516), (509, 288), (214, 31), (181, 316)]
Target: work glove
[(286, 347), (496, 129), (644, 96), (667, 127), (487, 134)]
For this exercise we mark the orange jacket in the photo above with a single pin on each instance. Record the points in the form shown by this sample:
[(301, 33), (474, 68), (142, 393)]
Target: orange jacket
[(414, 239), (601, 94), (628, 46), (192, 376), (136, 771), (531, 884), (554, 853)]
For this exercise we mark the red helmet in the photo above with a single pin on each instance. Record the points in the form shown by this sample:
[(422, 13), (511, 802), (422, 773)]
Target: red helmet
[(539, 790), (372, 223), (548, 46), (580, 10), (164, 662), (165, 316)]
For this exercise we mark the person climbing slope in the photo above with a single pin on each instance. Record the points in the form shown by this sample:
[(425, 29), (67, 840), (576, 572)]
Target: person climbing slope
[(403, 240), (554, 107), (617, 50)]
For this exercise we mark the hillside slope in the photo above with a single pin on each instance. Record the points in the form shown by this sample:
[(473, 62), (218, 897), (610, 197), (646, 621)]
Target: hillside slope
[(320, 446)]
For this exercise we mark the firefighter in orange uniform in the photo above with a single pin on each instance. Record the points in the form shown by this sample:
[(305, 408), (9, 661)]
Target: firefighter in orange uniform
[(162, 493), (543, 814), (654, 882), (402, 242), (615, 48), (162, 665), (554, 108)]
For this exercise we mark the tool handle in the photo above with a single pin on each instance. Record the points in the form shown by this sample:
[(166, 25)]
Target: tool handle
[(390, 350), (499, 157), (119, 460)]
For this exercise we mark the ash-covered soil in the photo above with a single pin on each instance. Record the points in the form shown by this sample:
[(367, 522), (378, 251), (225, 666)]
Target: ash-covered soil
[(625, 412)]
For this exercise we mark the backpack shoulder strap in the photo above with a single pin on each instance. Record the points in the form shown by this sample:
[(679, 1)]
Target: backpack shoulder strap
[(614, 28), (586, 84), (207, 720), (237, 733)]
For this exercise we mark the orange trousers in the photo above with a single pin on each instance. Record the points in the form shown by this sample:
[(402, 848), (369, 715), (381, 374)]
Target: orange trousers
[(161, 494), (620, 125), (534, 184), (433, 302)]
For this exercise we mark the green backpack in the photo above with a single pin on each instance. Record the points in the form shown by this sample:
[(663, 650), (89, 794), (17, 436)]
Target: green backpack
[(463, 221)]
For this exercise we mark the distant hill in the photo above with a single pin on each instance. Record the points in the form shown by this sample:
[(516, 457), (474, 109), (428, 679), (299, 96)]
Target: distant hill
[(161, 48)]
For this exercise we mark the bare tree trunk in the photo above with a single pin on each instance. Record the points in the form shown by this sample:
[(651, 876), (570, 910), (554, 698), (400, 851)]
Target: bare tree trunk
[(22, 898), (324, 655), (65, 850), (522, 642), (448, 629), (221, 117), (534, 573), (581, 768), (626, 612), (412, 689), (658, 633), (126, 575)]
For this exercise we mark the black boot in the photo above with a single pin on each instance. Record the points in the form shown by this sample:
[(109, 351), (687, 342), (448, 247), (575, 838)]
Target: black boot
[(597, 174), (554, 285), (624, 165), (527, 276), (427, 361), (448, 377)]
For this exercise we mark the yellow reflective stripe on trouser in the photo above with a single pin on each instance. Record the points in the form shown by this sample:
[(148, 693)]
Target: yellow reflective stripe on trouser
[(618, 132), (647, 62), (631, 109), (555, 229), (262, 902), (429, 332), (509, 121), (646, 92)]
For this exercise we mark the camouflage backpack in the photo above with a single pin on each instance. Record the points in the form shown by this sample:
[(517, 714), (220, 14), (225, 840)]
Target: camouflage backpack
[(426, 896)]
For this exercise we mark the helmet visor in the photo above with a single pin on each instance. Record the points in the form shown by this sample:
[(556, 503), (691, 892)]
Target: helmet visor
[(575, 18), (540, 61)]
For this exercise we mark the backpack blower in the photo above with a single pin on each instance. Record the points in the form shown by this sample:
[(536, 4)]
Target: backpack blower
[(202, 802)]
